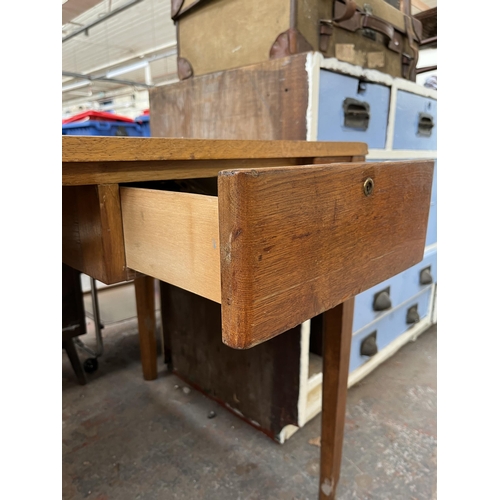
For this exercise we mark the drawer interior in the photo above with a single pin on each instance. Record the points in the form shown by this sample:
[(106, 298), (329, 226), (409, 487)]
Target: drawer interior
[(173, 237), (280, 245)]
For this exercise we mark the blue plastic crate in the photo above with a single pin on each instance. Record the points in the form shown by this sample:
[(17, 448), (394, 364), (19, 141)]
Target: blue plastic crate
[(93, 127), (143, 121)]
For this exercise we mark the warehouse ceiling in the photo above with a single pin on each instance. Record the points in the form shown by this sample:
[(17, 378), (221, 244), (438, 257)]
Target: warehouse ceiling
[(137, 44), (132, 41)]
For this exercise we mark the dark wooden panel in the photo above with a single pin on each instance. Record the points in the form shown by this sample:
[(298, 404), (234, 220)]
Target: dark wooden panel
[(73, 312), (297, 241), (92, 233), (261, 383), (264, 101), (146, 323)]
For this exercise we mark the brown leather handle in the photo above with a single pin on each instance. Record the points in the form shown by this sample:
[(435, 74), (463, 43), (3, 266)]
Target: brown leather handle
[(350, 18), (377, 24), (405, 7), (348, 13)]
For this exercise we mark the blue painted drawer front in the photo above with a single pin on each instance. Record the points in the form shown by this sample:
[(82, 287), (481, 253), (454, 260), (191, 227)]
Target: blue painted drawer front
[(334, 88), (403, 286), (390, 326), (431, 237), (408, 109)]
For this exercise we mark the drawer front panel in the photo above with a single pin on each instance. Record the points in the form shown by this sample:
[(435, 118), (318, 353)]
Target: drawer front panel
[(350, 110), (390, 326), (402, 287), (431, 236), (415, 125), (275, 237)]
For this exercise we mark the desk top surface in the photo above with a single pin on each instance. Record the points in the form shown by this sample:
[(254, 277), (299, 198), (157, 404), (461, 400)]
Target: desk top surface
[(104, 160), (119, 149)]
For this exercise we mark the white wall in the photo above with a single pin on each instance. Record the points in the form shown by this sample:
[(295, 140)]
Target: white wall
[(126, 102), (426, 57)]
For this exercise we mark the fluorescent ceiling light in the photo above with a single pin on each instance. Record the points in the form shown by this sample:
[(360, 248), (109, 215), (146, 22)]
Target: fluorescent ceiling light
[(75, 85), (126, 69)]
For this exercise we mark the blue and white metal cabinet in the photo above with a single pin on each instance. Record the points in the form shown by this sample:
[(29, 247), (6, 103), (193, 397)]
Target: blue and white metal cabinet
[(351, 110), (398, 121)]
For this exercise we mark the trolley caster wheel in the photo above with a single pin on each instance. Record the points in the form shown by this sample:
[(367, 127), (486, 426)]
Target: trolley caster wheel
[(90, 365)]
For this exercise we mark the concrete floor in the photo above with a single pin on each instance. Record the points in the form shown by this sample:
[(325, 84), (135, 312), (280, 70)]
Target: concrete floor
[(127, 439)]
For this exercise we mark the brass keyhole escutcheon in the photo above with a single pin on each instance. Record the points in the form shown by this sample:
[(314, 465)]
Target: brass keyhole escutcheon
[(368, 186)]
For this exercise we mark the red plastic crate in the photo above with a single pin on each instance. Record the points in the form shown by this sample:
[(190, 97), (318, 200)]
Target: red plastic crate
[(97, 116)]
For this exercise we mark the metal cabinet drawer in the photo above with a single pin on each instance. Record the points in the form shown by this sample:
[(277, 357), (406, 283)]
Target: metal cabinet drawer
[(350, 110), (390, 326), (401, 287), (415, 125)]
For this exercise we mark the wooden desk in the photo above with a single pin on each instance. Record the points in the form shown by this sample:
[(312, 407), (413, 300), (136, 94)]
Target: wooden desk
[(297, 229)]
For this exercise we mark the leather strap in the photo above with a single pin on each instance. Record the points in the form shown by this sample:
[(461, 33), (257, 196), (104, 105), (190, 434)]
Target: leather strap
[(377, 24), (411, 62), (350, 9), (405, 7), (412, 67), (360, 20)]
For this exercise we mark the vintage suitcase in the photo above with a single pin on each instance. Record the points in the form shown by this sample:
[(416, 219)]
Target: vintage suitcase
[(216, 35)]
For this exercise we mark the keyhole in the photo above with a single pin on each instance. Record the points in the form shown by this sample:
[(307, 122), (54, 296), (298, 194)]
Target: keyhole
[(368, 186)]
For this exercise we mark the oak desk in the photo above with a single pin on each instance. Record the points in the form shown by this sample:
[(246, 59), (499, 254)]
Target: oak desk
[(297, 229)]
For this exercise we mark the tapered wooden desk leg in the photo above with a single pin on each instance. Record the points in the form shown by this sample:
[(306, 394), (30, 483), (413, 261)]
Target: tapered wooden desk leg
[(145, 301), (337, 333), (69, 347)]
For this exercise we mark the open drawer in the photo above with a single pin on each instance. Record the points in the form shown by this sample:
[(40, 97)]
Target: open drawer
[(280, 245)]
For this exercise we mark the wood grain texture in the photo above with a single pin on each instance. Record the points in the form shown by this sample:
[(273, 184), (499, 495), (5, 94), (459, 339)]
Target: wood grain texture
[(337, 336), (297, 241), (263, 101), (146, 322), (77, 174), (78, 149), (173, 237), (260, 385), (92, 234), (87, 173)]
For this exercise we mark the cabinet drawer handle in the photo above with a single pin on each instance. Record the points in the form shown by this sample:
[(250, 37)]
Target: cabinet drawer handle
[(425, 125), (382, 300), (412, 315), (369, 345), (426, 276), (356, 114)]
